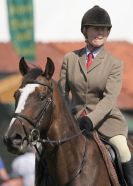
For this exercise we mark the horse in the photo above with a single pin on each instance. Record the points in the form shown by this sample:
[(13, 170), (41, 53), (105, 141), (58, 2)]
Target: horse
[(64, 156)]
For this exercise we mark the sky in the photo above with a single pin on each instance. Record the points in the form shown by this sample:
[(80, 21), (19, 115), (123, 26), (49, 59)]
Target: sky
[(60, 20)]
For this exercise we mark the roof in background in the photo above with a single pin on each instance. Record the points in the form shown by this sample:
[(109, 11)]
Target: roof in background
[(9, 62)]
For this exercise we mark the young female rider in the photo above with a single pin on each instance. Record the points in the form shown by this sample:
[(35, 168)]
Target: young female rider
[(95, 89)]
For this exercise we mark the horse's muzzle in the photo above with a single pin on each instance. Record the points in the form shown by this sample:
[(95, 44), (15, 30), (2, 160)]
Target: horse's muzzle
[(15, 144)]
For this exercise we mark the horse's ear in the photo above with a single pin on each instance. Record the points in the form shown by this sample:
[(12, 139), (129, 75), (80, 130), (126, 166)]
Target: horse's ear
[(23, 67), (49, 69)]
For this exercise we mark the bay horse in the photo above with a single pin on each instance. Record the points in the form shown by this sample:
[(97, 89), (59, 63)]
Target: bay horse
[(43, 120)]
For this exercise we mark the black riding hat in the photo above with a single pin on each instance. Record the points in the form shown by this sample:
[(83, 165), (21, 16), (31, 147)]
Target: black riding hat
[(96, 16)]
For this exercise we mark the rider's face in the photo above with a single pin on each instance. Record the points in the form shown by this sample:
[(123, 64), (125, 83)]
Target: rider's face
[(96, 36)]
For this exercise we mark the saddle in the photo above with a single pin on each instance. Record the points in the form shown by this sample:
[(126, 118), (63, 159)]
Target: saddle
[(113, 156)]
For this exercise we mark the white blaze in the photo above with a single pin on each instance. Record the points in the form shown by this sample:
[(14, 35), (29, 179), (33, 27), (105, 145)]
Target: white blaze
[(25, 92)]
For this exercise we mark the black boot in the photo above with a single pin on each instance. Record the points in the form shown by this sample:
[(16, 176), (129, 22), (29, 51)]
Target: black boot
[(128, 172)]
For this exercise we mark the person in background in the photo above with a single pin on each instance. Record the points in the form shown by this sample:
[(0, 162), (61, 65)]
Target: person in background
[(13, 181), (24, 166), (93, 76), (7, 179), (3, 173)]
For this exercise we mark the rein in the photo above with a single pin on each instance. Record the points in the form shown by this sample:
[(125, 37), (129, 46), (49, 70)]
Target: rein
[(61, 141)]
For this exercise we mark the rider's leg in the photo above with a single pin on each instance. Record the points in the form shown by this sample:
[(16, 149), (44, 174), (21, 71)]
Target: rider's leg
[(125, 155)]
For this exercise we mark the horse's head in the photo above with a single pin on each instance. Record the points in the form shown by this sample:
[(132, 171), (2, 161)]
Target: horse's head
[(33, 96)]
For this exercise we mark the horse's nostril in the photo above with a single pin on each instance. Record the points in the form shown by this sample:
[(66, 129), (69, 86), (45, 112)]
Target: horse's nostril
[(17, 136), (17, 139)]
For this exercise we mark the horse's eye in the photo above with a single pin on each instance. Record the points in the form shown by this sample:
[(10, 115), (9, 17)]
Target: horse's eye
[(42, 97)]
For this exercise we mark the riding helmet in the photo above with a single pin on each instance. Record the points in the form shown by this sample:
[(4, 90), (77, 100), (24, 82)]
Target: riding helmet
[(96, 16)]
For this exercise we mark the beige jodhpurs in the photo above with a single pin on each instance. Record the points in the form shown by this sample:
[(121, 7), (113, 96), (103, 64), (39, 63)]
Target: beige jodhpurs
[(120, 143)]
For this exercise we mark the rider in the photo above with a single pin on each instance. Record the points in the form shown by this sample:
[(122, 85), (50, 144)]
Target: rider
[(95, 91)]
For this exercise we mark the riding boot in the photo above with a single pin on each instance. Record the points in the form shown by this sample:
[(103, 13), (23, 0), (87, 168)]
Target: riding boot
[(128, 172)]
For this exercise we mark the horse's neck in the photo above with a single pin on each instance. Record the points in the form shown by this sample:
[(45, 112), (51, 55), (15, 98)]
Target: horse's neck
[(63, 127), (63, 122)]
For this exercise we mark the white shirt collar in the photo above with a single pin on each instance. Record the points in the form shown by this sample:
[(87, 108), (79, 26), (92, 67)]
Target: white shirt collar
[(95, 52)]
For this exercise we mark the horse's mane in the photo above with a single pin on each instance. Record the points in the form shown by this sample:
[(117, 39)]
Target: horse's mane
[(65, 108)]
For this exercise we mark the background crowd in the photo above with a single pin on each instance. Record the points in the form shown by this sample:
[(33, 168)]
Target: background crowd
[(22, 171)]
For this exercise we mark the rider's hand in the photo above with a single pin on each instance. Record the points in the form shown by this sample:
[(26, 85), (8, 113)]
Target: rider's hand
[(85, 123)]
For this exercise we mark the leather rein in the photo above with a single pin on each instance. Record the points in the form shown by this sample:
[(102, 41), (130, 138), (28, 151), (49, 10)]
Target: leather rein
[(34, 137)]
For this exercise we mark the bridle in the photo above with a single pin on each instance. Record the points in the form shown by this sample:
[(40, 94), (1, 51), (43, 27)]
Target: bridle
[(34, 137)]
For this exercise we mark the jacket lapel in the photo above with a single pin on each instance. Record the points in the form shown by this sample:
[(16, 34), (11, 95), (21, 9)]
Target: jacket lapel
[(82, 60)]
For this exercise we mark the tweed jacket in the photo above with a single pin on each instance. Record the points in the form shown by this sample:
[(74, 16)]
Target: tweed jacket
[(95, 90)]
